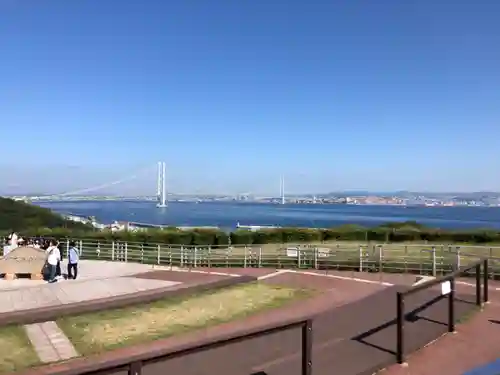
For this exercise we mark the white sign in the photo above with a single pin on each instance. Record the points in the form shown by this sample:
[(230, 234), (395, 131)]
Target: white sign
[(445, 288), (292, 252)]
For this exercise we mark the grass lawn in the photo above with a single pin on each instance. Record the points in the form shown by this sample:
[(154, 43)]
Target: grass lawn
[(100, 331), (16, 351)]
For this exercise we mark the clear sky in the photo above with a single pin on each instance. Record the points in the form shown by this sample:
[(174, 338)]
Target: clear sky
[(335, 95)]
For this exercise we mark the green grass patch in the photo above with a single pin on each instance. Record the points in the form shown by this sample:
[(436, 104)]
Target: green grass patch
[(16, 351), (110, 329)]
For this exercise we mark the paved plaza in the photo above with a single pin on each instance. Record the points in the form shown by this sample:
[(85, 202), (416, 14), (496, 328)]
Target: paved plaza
[(96, 280)]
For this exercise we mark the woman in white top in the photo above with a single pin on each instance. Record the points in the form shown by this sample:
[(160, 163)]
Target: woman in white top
[(13, 240), (6, 247), (53, 259)]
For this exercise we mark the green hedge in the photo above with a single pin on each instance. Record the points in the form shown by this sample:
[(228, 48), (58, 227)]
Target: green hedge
[(387, 233)]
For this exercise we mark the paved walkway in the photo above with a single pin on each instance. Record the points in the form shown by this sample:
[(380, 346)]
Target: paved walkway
[(475, 344), (49, 342), (98, 280)]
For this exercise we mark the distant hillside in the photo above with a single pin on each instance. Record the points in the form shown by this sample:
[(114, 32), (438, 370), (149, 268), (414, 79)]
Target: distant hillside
[(20, 216)]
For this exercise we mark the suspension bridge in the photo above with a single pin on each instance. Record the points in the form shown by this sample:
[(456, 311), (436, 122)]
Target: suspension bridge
[(87, 193), (161, 196)]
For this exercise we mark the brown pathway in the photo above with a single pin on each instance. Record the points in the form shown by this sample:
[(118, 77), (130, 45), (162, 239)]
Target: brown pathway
[(355, 338), (476, 343)]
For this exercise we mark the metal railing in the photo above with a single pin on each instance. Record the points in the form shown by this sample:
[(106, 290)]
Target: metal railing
[(134, 366), (427, 259), (401, 316)]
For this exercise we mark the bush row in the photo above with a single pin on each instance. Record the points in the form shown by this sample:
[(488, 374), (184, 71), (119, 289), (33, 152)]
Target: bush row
[(381, 234)]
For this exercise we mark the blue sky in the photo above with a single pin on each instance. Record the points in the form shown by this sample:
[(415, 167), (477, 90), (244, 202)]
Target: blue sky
[(377, 95)]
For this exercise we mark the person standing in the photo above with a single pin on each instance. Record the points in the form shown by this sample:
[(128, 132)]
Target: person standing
[(13, 240), (58, 267), (52, 260), (6, 247), (73, 259)]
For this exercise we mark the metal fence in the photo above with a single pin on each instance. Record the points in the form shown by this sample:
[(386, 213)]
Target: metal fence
[(450, 279), (427, 259), (144, 363)]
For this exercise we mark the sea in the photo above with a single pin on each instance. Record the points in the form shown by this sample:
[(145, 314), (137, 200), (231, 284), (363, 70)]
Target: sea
[(226, 215)]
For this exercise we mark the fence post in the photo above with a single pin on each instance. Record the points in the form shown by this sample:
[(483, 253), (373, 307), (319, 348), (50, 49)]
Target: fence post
[(195, 252), (360, 258), (478, 284), (458, 258), (260, 257), (400, 347), (142, 253), (316, 250), (298, 257), (451, 306), (67, 248), (245, 257), (126, 251), (307, 344), (182, 256), (380, 259), (434, 270), (81, 247), (158, 256), (113, 250), (485, 281), (135, 368)]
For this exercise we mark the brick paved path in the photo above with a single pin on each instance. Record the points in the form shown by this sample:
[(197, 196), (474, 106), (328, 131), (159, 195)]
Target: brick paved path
[(49, 342)]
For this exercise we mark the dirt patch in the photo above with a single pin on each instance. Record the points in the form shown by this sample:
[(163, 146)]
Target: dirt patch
[(91, 333), (16, 351)]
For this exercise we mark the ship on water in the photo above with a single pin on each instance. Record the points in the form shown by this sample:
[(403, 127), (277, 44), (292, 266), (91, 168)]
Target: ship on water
[(255, 228)]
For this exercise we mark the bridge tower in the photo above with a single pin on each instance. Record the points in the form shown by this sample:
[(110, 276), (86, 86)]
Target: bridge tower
[(161, 192)]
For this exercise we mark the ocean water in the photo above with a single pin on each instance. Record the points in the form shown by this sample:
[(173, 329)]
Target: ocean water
[(227, 215)]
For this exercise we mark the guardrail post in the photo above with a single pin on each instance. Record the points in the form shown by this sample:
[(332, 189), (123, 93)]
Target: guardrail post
[(361, 259), (182, 256), (135, 368), (113, 250), (158, 256), (478, 284), (380, 259), (485, 280), (299, 253), (245, 257), (81, 247), (400, 347), (451, 306), (434, 270), (316, 250), (195, 252), (142, 253), (307, 343), (126, 251), (260, 257), (458, 258), (67, 248)]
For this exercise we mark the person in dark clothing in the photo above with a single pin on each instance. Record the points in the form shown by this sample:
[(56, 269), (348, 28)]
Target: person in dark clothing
[(73, 261)]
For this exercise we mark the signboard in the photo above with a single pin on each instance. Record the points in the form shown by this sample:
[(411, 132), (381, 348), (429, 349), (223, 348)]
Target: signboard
[(292, 252), (445, 288), (27, 260)]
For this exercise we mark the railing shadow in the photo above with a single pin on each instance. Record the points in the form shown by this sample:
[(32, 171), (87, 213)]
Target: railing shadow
[(411, 317)]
